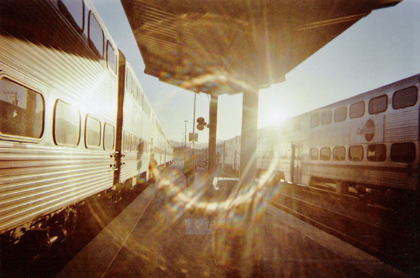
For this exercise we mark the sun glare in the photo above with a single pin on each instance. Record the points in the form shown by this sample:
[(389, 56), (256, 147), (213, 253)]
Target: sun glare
[(270, 115)]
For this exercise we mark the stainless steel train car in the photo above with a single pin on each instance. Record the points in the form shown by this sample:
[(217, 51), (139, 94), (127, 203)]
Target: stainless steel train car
[(74, 119), (365, 143), (231, 150)]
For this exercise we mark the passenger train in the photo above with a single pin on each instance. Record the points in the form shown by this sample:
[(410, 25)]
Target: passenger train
[(369, 142), (74, 122)]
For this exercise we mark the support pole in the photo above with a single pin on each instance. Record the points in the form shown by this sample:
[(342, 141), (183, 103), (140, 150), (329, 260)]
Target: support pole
[(193, 123), (212, 134), (248, 164)]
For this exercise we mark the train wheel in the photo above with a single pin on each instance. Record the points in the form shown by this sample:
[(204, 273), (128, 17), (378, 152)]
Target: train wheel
[(34, 243), (342, 187), (71, 221)]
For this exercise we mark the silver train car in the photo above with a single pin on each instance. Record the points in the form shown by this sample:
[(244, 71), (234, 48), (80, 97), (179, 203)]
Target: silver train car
[(365, 143), (74, 119)]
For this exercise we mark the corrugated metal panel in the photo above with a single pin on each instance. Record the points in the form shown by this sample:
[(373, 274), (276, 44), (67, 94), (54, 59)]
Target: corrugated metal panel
[(129, 169), (366, 175), (36, 181), (83, 81), (402, 126)]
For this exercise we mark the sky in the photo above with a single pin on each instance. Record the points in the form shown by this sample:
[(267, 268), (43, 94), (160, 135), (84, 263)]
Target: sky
[(381, 48)]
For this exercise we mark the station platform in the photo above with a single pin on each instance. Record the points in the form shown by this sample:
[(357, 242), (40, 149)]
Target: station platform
[(172, 230)]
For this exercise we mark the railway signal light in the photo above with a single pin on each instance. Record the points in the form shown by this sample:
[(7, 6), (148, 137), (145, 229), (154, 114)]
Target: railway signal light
[(201, 123)]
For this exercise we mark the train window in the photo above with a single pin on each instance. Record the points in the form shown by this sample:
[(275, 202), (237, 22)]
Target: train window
[(109, 132), (356, 153), (140, 146), (357, 110), (66, 124), (315, 121), (376, 152), (339, 153), (128, 82), (326, 118), (141, 98), (92, 132), (340, 114), (126, 141), (378, 104), (22, 110), (403, 152), (405, 98), (74, 12), (132, 142), (135, 92), (111, 58), (325, 154), (314, 154), (96, 35)]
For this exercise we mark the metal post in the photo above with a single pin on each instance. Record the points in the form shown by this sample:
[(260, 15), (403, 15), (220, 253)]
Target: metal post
[(193, 123), (185, 139), (248, 164), (212, 134)]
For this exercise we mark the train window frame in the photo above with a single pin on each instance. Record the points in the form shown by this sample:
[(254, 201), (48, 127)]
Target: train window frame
[(354, 110), (312, 153), (131, 141), (138, 92), (399, 103), (326, 118), (128, 82), (338, 114), (106, 137), (378, 105), (69, 14), (336, 155), (351, 153), (92, 44), (135, 91), (111, 67), (402, 156), (314, 121), (322, 156), (38, 97), (140, 99), (88, 121), (376, 158), (55, 129)]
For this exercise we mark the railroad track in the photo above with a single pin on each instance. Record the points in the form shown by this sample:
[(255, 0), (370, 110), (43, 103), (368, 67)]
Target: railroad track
[(341, 217)]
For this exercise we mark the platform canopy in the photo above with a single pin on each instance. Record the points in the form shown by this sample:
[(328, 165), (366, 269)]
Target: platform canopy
[(211, 45)]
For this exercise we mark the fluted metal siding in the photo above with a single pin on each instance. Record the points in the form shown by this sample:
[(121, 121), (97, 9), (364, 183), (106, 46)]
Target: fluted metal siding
[(363, 174), (35, 181), (84, 83), (39, 178), (402, 126), (132, 123)]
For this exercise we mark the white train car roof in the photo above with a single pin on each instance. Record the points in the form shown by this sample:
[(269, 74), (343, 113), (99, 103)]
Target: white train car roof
[(389, 88)]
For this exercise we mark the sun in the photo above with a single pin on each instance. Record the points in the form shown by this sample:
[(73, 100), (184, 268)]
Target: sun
[(271, 115)]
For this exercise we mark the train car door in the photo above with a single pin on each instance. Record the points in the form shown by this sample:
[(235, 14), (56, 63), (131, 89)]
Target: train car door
[(296, 163)]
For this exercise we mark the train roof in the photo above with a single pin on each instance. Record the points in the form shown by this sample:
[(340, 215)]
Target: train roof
[(392, 87)]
